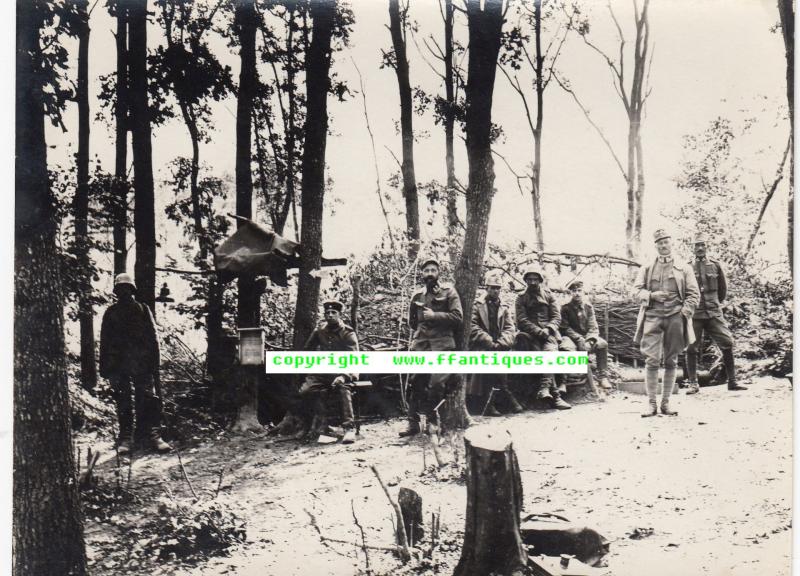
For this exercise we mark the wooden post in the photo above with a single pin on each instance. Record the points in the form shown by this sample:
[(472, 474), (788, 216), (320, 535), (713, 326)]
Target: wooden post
[(492, 541)]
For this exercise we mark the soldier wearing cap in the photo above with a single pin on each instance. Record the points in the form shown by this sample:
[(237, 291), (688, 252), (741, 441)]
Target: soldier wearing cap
[(708, 317), (492, 328), (538, 320), (435, 314), (581, 332), (129, 356), (667, 293), (333, 335)]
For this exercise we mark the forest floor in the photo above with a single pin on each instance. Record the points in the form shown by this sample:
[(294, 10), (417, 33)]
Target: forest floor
[(713, 485)]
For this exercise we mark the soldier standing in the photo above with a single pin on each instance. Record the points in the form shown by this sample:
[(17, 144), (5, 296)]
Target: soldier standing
[(708, 317), (332, 336), (435, 314), (492, 328), (538, 320), (129, 355), (667, 293), (580, 331)]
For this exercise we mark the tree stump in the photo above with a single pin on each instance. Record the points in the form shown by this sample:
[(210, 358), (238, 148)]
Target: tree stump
[(411, 505), (492, 541)]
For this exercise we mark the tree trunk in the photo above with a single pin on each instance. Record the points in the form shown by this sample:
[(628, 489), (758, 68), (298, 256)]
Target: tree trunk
[(81, 207), (397, 29), (630, 216), (247, 23), (318, 63), (144, 218), (449, 125), (48, 525), (289, 127), (639, 196), (786, 10), (536, 177), (484, 45), (120, 186), (492, 541)]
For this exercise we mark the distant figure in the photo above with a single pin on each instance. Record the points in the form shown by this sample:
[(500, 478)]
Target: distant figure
[(708, 318), (435, 314), (129, 356), (667, 293), (538, 320), (580, 331), (332, 336), (492, 328)]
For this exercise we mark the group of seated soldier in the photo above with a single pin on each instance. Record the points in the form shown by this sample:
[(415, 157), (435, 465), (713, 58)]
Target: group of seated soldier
[(541, 325), (537, 324)]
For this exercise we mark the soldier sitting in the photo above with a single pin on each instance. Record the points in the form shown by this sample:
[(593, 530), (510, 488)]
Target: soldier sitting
[(492, 328), (538, 319), (580, 331), (331, 336)]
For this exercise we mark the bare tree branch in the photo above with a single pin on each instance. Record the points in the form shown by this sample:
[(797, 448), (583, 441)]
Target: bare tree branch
[(374, 154), (768, 197), (599, 131)]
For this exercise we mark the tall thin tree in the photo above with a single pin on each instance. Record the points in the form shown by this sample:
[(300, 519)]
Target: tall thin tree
[(246, 19), (485, 21), (121, 107), (48, 527), (541, 60), (80, 204), (144, 218), (397, 27), (633, 99), (786, 10), (318, 82)]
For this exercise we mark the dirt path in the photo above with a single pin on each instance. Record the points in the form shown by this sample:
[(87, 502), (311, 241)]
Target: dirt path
[(714, 484)]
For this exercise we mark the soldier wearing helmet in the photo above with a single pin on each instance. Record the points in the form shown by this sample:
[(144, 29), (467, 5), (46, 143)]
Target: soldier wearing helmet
[(129, 358), (708, 317), (492, 328), (538, 320)]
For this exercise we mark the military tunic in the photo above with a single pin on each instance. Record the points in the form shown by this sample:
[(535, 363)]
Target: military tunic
[(326, 338)]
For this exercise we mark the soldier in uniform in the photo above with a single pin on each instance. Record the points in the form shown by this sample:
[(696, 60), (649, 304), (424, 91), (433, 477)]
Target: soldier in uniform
[(332, 335), (667, 293), (129, 355), (538, 320), (435, 314), (708, 317), (580, 331), (492, 328)]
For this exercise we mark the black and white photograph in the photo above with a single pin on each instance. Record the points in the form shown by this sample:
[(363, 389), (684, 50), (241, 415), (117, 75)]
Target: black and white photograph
[(395, 287)]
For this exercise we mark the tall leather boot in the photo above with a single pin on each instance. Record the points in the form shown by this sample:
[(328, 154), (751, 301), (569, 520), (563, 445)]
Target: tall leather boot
[(414, 391), (666, 390), (691, 367), (346, 397), (730, 369), (516, 407), (651, 384)]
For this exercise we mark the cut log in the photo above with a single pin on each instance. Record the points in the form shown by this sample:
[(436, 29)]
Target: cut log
[(411, 505), (492, 541)]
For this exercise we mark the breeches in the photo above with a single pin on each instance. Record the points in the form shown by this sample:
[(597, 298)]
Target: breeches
[(662, 338), (717, 328)]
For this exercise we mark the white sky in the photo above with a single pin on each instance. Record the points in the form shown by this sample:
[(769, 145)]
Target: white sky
[(712, 57)]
